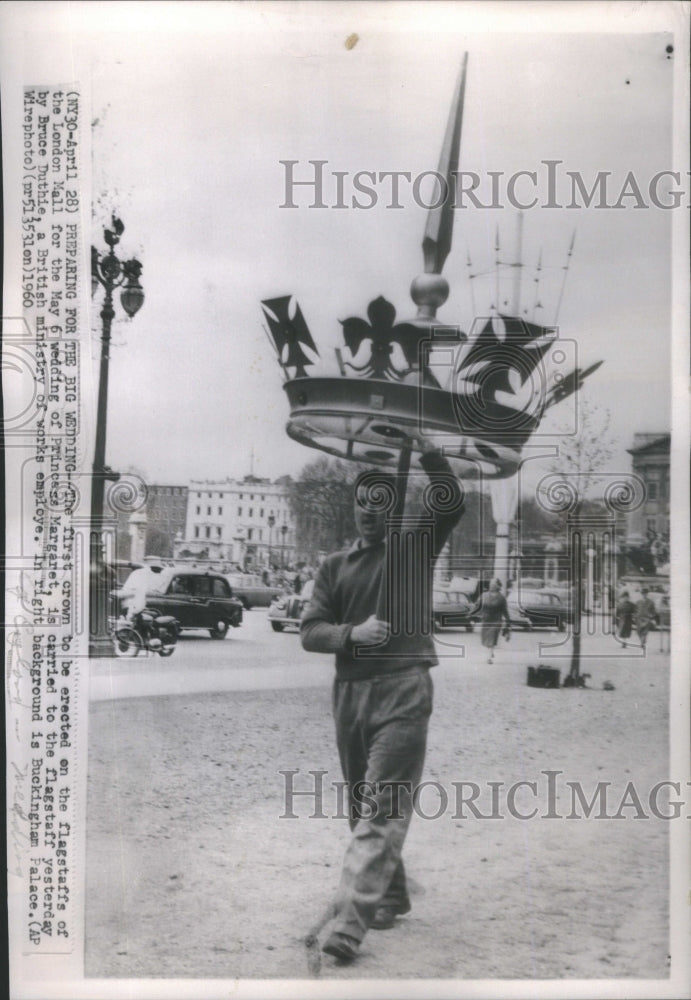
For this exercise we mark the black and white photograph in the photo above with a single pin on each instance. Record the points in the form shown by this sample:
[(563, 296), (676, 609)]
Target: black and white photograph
[(346, 441)]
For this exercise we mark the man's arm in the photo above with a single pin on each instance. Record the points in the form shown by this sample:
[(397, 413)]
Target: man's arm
[(452, 507), (320, 630)]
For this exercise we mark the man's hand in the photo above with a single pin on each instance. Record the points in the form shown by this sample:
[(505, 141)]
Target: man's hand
[(370, 632)]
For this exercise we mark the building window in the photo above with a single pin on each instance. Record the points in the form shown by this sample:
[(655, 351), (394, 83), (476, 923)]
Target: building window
[(199, 510), (218, 532), (207, 531), (250, 512), (260, 534), (239, 511), (262, 497), (240, 497), (261, 512), (196, 531), (652, 489), (208, 511), (251, 496), (220, 511)]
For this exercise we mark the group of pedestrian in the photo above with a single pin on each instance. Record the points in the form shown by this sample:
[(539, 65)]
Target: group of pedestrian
[(639, 616)]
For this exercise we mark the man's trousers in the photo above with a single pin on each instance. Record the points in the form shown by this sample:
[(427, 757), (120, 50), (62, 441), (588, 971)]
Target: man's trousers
[(381, 732)]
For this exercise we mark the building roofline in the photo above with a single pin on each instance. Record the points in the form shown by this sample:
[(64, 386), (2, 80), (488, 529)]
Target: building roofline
[(648, 445)]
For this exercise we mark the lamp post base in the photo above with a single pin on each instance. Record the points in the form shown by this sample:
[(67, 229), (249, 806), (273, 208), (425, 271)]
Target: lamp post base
[(101, 646)]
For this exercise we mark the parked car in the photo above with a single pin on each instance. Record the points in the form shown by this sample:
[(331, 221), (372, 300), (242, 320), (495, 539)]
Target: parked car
[(541, 608), (451, 609), (286, 610), (517, 616), (471, 587), (195, 597), (662, 609), (251, 591)]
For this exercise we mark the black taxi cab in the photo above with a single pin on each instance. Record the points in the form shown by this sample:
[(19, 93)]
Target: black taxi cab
[(198, 599)]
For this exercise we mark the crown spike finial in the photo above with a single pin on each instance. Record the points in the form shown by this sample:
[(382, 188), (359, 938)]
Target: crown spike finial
[(430, 290), (437, 240)]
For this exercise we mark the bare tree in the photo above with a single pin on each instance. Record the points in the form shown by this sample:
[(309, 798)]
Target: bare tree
[(582, 456)]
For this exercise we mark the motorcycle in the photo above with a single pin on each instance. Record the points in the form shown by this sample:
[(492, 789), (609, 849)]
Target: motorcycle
[(149, 631)]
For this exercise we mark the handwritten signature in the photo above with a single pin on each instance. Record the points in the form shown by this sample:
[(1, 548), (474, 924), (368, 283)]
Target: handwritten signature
[(19, 821)]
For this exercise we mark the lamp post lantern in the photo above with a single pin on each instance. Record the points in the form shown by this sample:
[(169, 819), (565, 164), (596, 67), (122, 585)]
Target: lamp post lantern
[(111, 273)]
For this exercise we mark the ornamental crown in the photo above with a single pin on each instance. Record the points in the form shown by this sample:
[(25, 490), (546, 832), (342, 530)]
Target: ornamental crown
[(479, 395)]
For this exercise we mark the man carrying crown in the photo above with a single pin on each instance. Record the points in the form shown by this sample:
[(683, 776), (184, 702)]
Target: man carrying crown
[(382, 696)]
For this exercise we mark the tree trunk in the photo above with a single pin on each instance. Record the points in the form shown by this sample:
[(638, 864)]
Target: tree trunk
[(574, 675)]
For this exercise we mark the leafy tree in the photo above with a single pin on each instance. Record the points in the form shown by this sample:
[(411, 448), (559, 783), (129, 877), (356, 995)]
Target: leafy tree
[(321, 502), (535, 520)]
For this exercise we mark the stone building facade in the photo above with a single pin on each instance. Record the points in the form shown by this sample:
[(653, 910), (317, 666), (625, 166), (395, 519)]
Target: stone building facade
[(650, 460), (244, 522)]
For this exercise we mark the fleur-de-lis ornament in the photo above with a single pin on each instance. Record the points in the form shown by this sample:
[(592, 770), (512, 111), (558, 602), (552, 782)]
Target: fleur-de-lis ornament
[(383, 335)]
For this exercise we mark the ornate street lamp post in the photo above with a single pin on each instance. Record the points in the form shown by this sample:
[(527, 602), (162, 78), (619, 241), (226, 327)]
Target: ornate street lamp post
[(271, 520), (284, 532), (111, 273), (590, 579)]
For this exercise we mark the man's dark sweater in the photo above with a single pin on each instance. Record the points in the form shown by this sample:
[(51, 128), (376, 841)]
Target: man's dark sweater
[(347, 592)]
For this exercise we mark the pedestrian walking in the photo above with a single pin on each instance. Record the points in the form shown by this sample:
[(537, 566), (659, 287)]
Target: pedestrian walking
[(624, 615), (493, 610), (645, 616), (382, 700)]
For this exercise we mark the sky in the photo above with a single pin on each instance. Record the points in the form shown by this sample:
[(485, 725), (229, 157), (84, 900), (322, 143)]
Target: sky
[(194, 107)]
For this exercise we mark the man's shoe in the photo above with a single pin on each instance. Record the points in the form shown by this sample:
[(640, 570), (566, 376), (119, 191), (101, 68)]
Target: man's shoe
[(341, 946), (385, 917)]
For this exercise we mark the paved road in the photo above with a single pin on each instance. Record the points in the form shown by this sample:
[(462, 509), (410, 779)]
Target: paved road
[(253, 657)]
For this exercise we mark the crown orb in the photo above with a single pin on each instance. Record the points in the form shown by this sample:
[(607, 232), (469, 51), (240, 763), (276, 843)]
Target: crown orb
[(429, 290)]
